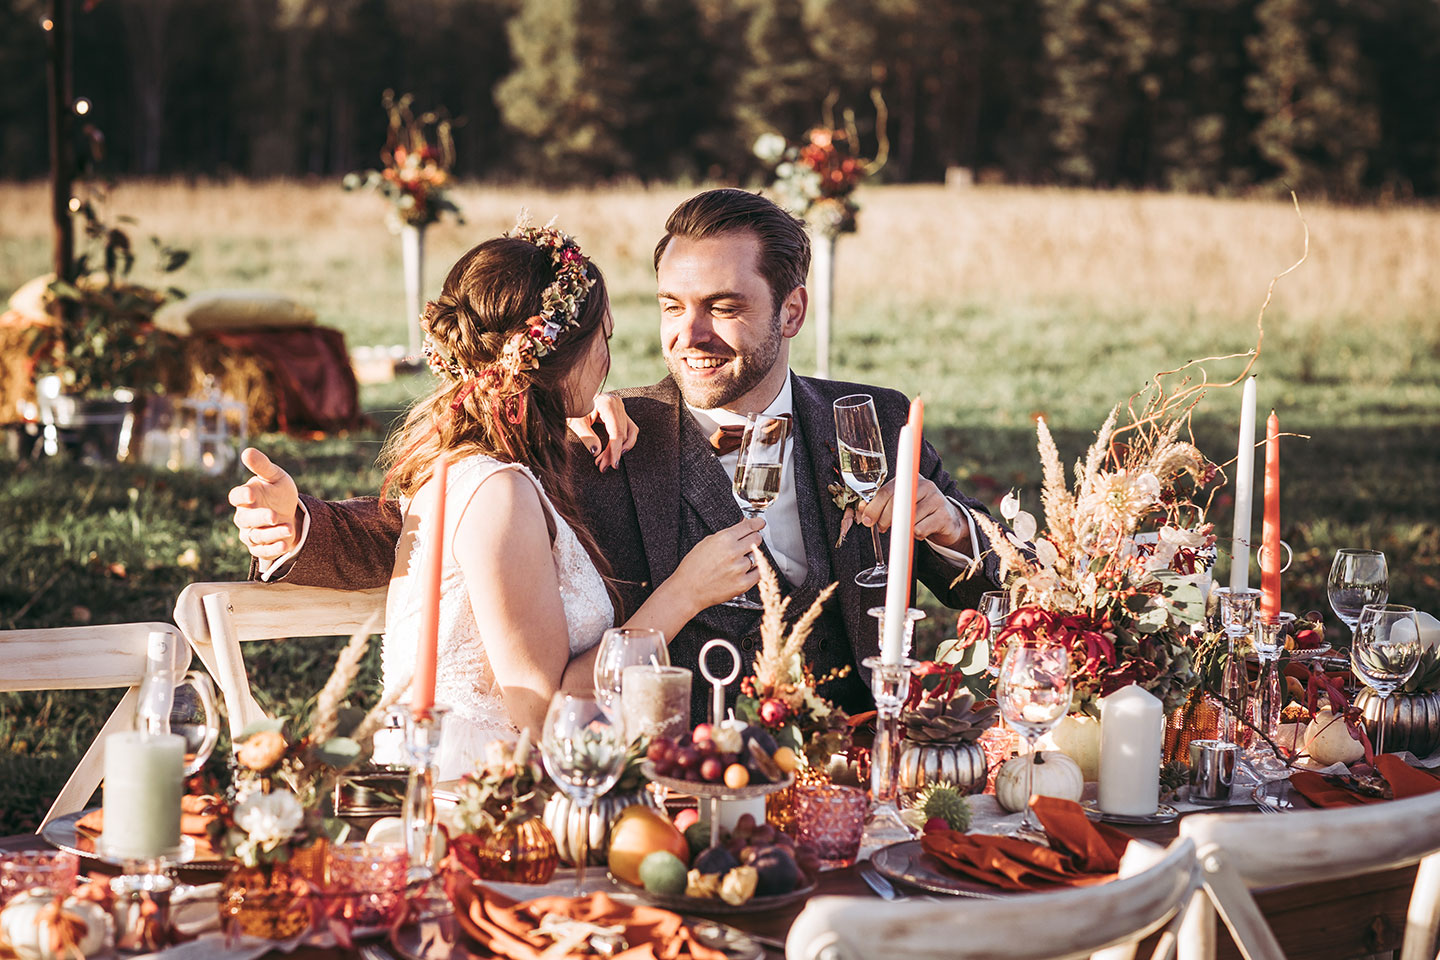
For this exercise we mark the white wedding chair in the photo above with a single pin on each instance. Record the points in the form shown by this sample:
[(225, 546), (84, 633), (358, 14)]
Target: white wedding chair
[(1239, 852), (1112, 918), (85, 658), (217, 617)]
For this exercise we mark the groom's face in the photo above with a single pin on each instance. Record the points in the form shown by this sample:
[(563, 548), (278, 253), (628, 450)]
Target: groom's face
[(723, 340)]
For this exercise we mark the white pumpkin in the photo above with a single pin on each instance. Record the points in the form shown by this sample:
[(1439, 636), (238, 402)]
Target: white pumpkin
[(1078, 737), (30, 939), (1056, 775), (1328, 740)]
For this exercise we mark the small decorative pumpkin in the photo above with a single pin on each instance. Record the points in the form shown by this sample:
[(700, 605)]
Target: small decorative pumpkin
[(568, 821), (1078, 737), (1328, 740), (30, 921), (1055, 775)]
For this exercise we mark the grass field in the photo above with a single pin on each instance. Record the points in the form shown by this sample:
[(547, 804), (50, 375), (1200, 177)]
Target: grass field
[(995, 303)]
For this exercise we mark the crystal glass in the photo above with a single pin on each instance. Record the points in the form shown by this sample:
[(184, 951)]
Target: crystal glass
[(194, 718), (995, 607), (622, 647), (583, 748), (1385, 653), (422, 752), (1034, 692), (1236, 610), (1269, 637), (366, 890), (23, 870), (830, 819), (1357, 578), (758, 470), (862, 466)]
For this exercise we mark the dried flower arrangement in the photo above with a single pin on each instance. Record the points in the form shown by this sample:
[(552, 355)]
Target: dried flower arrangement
[(416, 162), (509, 788)]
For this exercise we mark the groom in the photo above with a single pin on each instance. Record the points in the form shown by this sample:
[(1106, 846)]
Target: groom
[(731, 270)]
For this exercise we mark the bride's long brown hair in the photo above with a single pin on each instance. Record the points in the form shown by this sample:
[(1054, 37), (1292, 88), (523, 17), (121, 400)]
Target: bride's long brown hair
[(490, 294)]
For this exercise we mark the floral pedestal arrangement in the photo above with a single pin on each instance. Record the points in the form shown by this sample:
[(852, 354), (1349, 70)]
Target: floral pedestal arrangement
[(504, 838)]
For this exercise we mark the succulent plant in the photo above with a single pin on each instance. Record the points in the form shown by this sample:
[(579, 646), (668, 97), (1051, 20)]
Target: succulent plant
[(954, 720), (1426, 678), (943, 800)]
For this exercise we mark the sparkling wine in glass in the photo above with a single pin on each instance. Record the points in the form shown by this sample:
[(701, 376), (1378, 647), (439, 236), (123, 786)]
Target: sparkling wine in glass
[(995, 608), (583, 748), (1034, 691), (862, 466), (622, 647), (1385, 653), (758, 470), (1357, 578)]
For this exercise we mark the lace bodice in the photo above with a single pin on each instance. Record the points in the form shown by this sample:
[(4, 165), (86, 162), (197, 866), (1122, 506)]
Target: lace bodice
[(464, 680)]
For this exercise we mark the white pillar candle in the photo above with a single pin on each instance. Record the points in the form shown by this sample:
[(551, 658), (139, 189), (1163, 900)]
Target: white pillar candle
[(144, 780), (1244, 491), (1131, 730), (655, 700), (902, 533)]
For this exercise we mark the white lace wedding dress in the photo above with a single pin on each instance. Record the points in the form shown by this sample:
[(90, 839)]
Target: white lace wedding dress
[(464, 680)]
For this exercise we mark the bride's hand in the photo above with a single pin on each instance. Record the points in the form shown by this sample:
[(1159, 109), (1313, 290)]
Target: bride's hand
[(720, 566), (609, 410)]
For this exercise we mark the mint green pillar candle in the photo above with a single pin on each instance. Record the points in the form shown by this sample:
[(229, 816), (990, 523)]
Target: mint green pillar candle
[(144, 780)]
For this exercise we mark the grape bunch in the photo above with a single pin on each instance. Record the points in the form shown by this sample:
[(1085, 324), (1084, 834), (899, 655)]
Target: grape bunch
[(732, 752)]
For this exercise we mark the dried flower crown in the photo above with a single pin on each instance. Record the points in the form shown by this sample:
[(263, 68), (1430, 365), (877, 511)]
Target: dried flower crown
[(560, 305)]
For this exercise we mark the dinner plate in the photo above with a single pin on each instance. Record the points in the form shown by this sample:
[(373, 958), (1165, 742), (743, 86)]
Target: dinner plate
[(1163, 814), (67, 834), (908, 863), (683, 904)]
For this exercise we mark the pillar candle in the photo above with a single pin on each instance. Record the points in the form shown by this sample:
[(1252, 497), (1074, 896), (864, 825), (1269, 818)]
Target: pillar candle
[(1244, 491), (1270, 533), (902, 535), (1131, 730), (655, 700), (144, 779), (422, 689)]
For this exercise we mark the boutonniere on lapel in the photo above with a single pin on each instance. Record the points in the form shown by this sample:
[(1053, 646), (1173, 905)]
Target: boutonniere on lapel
[(845, 499)]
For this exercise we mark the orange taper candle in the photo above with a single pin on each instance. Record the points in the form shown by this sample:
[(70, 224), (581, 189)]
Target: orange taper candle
[(422, 688), (1270, 540)]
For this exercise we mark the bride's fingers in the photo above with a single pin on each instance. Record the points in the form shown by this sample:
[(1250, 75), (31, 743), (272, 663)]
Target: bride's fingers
[(581, 427)]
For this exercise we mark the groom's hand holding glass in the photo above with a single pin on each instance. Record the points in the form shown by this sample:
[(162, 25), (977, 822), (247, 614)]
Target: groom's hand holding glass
[(937, 520)]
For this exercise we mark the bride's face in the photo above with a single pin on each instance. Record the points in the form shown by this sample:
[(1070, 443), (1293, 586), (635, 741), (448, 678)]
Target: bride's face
[(589, 375)]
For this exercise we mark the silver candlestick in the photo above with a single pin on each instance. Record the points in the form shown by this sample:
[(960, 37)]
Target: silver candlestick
[(422, 750)]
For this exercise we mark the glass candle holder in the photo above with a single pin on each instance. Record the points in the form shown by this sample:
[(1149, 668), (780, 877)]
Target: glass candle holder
[(830, 819), (367, 884), (52, 870)]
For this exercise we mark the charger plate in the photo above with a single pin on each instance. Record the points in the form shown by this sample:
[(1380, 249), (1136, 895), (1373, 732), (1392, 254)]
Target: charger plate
[(908, 863), (1163, 814), (67, 834)]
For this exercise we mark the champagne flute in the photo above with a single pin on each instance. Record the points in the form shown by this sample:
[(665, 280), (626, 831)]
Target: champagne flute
[(1357, 578), (622, 647), (995, 608), (583, 748), (1034, 694), (862, 466), (1385, 653), (758, 470)]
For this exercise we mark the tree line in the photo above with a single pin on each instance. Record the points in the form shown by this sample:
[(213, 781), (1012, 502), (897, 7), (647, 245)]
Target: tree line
[(1333, 97)]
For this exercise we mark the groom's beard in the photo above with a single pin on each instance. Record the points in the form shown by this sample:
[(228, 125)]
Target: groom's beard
[(741, 372)]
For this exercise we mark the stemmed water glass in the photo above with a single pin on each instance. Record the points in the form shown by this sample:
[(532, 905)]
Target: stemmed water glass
[(583, 748), (862, 466), (622, 647), (758, 471), (1034, 691), (194, 719), (1357, 578), (1385, 653)]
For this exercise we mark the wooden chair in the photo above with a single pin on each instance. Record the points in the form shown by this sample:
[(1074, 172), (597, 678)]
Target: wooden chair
[(217, 617), (85, 658), (1114, 917), (1239, 852)]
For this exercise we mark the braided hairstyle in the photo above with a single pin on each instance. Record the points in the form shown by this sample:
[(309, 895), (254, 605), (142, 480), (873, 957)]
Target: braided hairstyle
[(516, 416)]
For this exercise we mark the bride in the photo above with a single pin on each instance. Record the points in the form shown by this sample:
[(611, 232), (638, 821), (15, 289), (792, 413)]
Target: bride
[(519, 338)]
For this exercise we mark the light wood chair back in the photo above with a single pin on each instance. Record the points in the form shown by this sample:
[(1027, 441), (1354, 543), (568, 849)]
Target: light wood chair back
[(1239, 852), (85, 658), (1072, 923), (217, 617)]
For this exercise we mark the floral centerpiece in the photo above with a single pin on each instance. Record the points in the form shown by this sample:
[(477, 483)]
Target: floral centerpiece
[(416, 161), (943, 723), (503, 837)]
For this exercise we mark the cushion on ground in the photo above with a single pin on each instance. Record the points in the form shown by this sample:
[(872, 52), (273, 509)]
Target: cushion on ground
[(215, 310)]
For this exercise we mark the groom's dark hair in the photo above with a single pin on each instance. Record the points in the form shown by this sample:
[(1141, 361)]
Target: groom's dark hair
[(784, 244)]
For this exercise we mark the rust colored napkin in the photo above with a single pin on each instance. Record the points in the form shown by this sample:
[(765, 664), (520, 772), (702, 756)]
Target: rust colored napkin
[(195, 818), (1405, 781), (1080, 852), (511, 930)]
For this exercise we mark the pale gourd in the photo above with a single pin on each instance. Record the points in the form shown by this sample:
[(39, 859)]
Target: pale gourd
[(1056, 775), (1078, 737), (1328, 740), (22, 927)]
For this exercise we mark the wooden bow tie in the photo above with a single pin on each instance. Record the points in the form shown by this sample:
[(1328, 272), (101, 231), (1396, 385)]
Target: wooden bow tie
[(726, 439)]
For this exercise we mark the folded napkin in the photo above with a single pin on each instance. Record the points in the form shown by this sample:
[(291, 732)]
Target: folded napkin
[(545, 927), (1080, 852), (195, 818), (1325, 791)]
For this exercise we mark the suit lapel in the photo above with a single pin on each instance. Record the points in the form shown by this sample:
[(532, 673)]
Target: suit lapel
[(807, 451), (654, 478), (703, 482)]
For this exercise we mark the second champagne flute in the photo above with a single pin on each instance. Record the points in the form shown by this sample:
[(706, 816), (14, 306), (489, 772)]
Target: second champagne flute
[(862, 466), (758, 471)]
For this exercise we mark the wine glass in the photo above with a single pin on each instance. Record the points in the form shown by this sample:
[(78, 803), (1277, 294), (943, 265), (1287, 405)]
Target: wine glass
[(583, 748), (194, 718), (1385, 653), (758, 469), (995, 608), (1034, 694), (622, 647), (1357, 578), (862, 466)]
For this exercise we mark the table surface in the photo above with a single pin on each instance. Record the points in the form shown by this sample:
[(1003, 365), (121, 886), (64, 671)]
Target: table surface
[(1358, 916)]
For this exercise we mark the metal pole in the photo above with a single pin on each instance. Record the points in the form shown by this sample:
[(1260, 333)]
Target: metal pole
[(824, 251), (62, 144)]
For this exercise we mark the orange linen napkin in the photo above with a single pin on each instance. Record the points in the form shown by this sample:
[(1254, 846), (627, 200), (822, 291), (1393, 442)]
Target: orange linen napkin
[(1080, 852), (1405, 781), (196, 814), (512, 930)]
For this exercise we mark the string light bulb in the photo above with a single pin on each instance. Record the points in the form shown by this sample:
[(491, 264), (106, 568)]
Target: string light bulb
[(82, 107), (74, 204), (47, 24)]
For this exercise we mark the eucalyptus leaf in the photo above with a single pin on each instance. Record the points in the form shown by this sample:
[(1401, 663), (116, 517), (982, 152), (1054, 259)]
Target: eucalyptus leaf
[(338, 752), (262, 725)]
